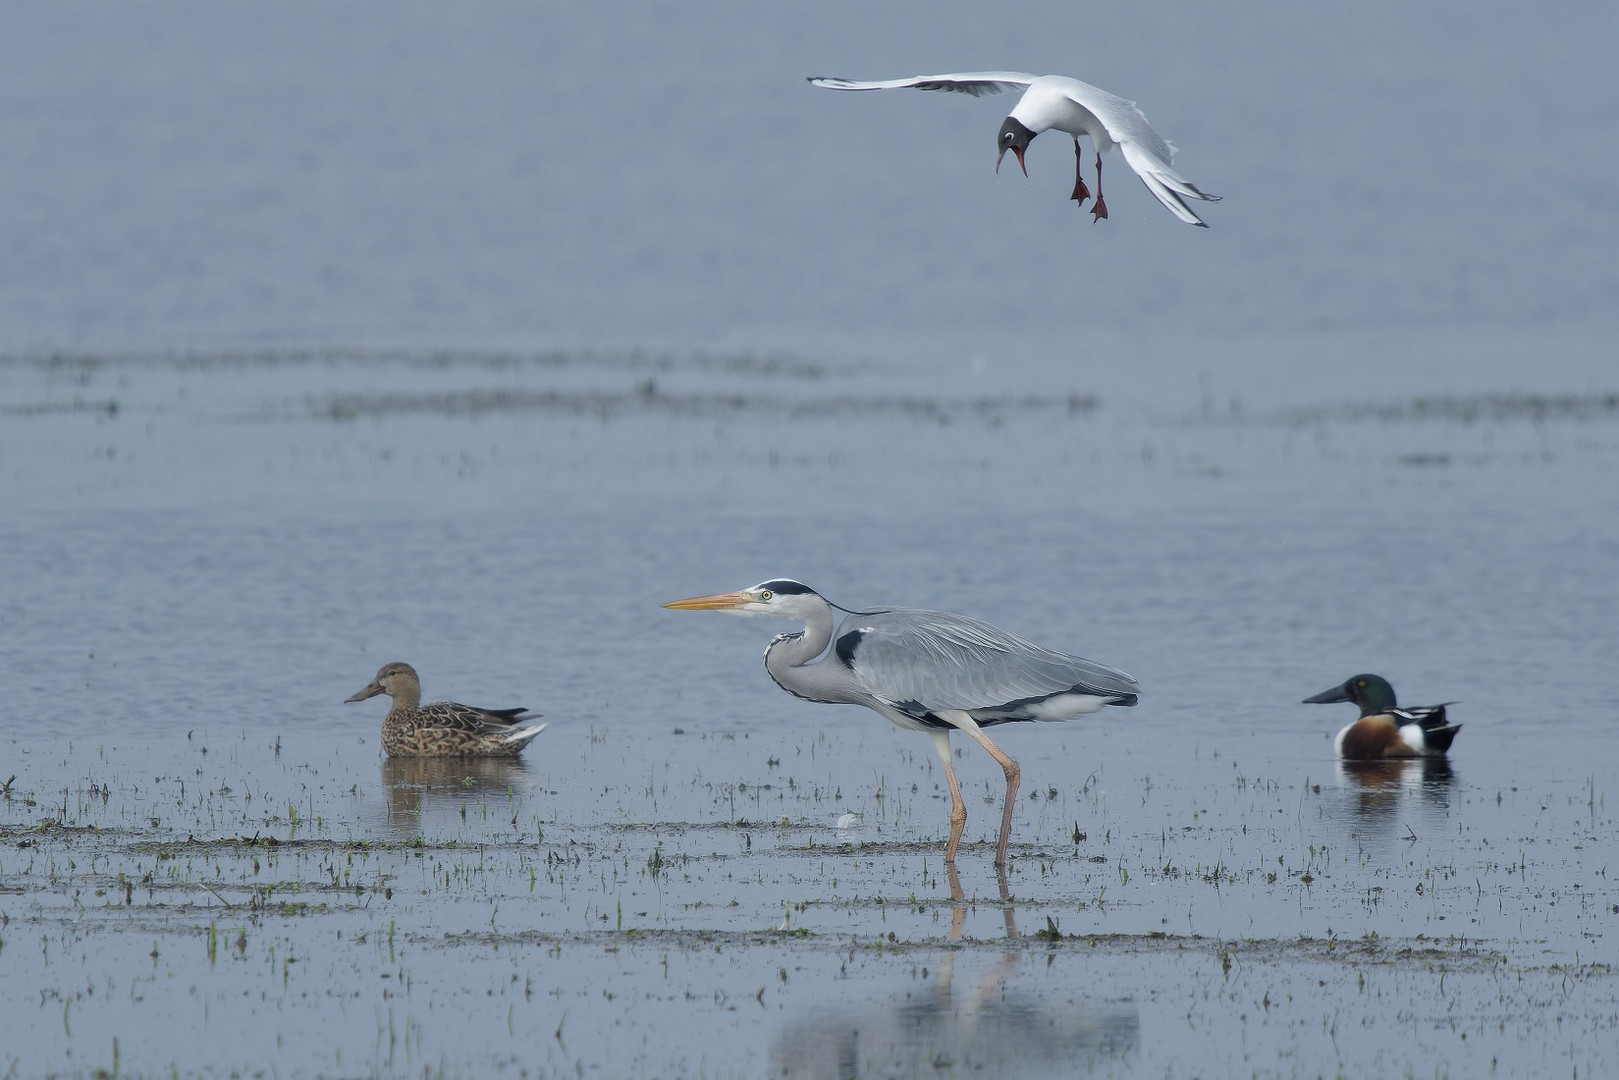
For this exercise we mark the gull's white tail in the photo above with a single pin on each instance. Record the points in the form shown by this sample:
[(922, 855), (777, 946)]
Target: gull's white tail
[(1165, 183)]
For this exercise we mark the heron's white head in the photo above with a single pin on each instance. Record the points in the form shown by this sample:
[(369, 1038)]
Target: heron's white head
[(781, 598)]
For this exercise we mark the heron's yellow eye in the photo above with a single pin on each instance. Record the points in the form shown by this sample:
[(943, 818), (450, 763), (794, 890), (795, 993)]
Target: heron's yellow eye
[(765, 594)]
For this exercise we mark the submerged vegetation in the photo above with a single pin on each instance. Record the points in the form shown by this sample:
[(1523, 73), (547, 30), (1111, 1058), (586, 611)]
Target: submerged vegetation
[(245, 888)]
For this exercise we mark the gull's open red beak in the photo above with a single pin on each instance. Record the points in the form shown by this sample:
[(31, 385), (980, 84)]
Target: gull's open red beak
[(1018, 151)]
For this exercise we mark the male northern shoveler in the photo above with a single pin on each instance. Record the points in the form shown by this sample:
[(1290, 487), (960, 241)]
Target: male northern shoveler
[(1384, 730), (444, 728)]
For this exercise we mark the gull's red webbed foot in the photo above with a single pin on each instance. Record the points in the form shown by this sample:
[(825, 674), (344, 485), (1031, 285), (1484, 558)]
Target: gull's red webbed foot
[(1081, 192), (1099, 207)]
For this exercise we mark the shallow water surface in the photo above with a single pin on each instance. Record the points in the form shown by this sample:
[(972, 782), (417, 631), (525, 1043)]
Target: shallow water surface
[(691, 873), (468, 334)]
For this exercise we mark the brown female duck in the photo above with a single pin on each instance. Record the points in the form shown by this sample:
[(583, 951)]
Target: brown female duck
[(443, 728)]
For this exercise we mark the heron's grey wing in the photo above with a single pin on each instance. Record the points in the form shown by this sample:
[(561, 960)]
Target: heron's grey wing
[(1146, 151), (931, 660), (976, 83)]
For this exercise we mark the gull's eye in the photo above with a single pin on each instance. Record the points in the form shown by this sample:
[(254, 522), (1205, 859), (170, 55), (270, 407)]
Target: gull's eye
[(765, 594)]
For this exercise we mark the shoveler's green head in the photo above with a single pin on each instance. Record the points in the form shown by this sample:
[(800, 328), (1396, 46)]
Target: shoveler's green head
[(1372, 693)]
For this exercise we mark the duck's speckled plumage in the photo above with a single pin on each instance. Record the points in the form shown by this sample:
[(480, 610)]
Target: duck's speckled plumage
[(1384, 730), (443, 728)]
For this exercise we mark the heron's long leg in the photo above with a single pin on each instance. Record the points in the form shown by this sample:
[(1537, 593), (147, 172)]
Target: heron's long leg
[(958, 809), (1081, 192), (1013, 775), (1099, 207)]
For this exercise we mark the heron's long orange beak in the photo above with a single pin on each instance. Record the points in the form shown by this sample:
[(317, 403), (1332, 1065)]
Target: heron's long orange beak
[(724, 601)]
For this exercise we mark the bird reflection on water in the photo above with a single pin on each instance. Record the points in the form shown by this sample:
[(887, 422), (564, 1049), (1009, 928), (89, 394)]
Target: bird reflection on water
[(1389, 798), (997, 1021), (415, 785)]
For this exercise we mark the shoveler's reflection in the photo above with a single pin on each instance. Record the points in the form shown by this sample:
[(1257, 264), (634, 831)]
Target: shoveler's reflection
[(1395, 794), (415, 785)]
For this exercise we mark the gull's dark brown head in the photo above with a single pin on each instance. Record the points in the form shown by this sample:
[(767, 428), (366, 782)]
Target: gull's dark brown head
[(1015, 137)]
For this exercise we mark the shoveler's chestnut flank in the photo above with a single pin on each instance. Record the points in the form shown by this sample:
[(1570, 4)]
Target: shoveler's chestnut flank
[(444, 728), (1384, 730)]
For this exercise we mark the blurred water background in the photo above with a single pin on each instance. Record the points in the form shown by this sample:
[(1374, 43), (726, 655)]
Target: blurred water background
[(332, 334)]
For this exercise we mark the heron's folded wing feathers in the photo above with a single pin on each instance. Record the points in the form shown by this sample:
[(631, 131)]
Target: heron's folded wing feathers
[(935, 661)]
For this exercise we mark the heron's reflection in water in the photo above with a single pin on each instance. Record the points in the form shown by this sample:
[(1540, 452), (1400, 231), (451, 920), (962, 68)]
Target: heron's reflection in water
[(416, 785), (959, 902), (998, 1019)]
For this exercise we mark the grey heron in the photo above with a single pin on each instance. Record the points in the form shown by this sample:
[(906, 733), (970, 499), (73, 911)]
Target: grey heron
[(1058, 103), (926, 671)]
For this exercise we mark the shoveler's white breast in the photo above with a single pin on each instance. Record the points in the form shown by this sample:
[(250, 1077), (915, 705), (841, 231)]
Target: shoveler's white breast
[(1414, 737), (1338, 743)]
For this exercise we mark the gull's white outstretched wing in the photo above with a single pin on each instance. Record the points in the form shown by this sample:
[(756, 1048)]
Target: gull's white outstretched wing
[(931, 661), (1146, 151), (976, 83)]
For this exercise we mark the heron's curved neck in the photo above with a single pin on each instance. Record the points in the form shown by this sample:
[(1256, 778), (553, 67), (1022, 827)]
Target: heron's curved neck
[(789, 658)]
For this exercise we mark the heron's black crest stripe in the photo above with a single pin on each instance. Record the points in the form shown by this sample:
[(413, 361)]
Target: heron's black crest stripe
[(787, 587)]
